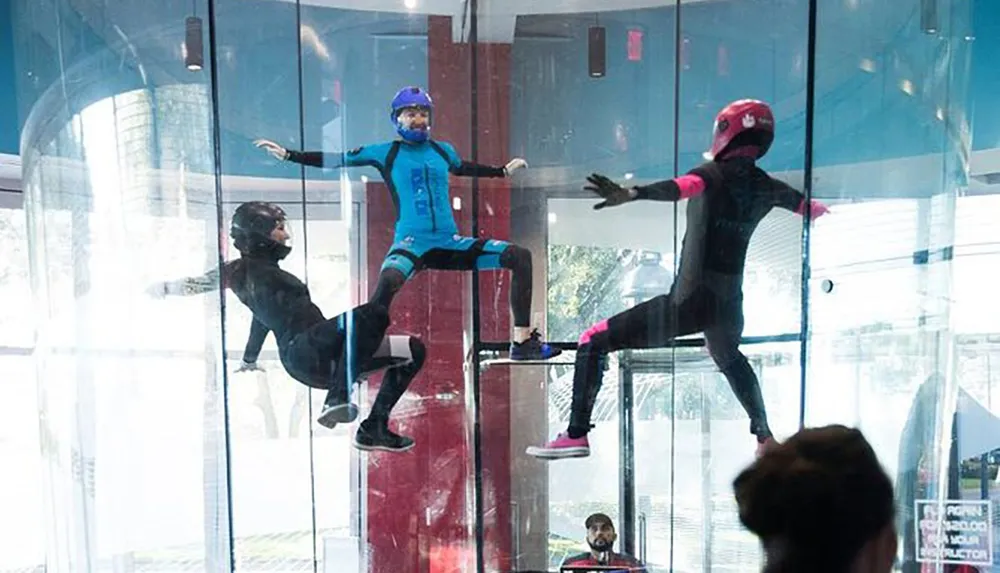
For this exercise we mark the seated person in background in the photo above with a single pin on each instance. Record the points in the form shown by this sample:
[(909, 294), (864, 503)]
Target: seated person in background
[(820, 503), (601, 538)]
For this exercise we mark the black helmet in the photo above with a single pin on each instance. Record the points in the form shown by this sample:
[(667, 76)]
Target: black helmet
[(251, 229)]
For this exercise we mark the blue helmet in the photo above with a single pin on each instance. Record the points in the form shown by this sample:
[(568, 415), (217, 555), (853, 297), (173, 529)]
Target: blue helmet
[(410, 97)]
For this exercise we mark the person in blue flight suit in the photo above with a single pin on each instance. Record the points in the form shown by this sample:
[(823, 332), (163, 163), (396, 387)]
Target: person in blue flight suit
[(416, 169)]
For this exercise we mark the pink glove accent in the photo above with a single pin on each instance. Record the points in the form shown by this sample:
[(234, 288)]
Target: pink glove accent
[(817, 209), (690, 185)]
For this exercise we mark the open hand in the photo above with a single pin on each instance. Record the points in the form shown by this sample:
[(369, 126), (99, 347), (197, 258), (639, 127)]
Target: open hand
[(513, 165), (816, 209), (273, 148), (612, 193), (249, 367), (157, 290)]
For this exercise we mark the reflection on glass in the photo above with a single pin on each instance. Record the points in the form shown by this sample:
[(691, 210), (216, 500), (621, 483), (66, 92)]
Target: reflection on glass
[(883, 336), (23, 521)]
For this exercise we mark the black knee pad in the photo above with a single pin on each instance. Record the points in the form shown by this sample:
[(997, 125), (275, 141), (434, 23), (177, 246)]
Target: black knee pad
[(515, 257), (418, 352)]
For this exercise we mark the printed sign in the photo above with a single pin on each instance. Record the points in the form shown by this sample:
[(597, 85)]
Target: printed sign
[(954, 531)]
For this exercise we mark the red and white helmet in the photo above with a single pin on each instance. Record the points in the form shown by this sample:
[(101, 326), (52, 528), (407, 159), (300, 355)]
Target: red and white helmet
[(749, 116)]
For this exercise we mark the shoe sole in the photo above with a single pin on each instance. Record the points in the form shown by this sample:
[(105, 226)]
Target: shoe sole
[(368, 448), (563, 453), (343, 414), (557, 352)]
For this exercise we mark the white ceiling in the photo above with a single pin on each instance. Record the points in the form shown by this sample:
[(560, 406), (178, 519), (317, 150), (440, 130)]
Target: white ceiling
[(497, 18), (494, 7)]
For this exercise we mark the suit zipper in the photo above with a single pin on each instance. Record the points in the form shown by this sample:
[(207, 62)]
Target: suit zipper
[(430, 193)]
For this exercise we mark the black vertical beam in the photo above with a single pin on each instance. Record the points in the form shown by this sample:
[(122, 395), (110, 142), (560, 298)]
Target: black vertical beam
[(984, 476), (220, 222), (807, 189), (626, 455), (305, 276), (477, 430), (678, 47)]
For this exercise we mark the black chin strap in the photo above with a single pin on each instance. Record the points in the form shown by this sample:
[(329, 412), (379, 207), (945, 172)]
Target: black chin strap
[(271, 251)]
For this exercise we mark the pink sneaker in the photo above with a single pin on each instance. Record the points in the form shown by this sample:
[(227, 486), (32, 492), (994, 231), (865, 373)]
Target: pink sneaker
[(562, 447)]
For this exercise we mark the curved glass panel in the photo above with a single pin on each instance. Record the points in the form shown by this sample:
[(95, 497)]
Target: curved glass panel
[(175, 433)]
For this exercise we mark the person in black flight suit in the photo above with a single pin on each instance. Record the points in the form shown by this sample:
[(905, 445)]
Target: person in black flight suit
[(729, 196), (321, 353)]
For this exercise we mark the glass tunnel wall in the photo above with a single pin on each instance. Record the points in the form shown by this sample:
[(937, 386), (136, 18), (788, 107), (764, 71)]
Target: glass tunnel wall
[(117, 177), (890, 349), (162, 453)]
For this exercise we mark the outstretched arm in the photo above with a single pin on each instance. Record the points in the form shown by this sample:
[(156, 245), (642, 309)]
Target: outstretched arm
[(469, 169), (682, 187), (462, 168), (359, 157), (258, 333), (187, 286), (316, 159), (791, 199)]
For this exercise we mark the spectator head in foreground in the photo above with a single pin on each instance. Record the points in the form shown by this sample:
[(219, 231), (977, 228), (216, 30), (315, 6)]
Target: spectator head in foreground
[(820, 502)]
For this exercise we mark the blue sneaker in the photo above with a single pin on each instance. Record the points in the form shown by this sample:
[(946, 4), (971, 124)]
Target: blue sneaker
[(533, 349)]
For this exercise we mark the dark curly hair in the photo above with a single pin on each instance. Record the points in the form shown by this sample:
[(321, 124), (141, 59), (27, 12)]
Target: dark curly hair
[(815, 500)]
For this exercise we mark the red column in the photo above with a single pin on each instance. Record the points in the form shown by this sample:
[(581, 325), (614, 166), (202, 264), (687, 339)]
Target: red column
[(420, 503)]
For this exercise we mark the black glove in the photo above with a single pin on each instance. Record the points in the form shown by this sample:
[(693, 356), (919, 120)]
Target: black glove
[(612, 193), (249, 367)]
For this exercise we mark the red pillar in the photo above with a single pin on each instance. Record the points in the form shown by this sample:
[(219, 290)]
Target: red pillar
[(420, 504)]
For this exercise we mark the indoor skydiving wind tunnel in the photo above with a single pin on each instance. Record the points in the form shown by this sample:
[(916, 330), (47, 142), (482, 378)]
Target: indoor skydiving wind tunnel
[(168, 443)]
